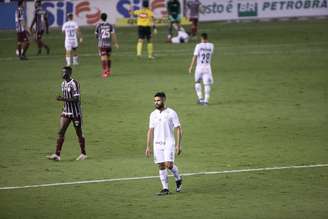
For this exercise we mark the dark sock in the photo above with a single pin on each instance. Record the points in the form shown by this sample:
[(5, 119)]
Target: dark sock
[(25, 49), (82, 145), (104, 65)]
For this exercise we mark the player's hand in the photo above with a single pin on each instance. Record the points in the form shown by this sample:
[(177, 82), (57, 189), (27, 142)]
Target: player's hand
[(178, 150), (148, 152), (81, 40), (117, 46), (190, 69), (155, 31), (60, 98)]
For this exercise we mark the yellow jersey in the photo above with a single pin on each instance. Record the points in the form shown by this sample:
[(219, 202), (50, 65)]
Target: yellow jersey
[(144, 17)]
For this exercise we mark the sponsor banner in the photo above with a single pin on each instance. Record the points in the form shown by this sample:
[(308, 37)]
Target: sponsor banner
[(87, 12), (7, 15), (212, 10)]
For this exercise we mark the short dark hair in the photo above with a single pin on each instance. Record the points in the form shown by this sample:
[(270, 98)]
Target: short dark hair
[(103, 16), (20, 2), (67, 70), (70, 16), (204, 36), (145, 4), (160, 94)]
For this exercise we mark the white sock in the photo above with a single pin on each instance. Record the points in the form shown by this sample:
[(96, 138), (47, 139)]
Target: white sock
[(68, 61), (175, 172), (198, 89), (75, 60), (164, 178), (207, 89)]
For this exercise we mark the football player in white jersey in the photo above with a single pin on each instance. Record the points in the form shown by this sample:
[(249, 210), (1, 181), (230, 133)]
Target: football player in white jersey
[(182, 36), (203, 72), (72, 36), (164, 138)]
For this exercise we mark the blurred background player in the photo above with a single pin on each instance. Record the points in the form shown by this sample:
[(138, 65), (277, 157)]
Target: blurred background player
[(72, 36), (193, 7), (173, 8), (41, 25), (22, 32), (182, 36), (71, 113), (203, 72), (164, 136), (145, 20), (105, 34)]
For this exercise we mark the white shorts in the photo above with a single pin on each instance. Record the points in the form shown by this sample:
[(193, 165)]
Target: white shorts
[(164, 154), (204, 74), (71, 44)]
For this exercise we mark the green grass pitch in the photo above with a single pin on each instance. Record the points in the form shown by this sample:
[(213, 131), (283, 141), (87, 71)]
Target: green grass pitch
[(269, 107)]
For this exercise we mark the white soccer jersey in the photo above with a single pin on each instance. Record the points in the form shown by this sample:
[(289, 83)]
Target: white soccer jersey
[(70, 29), (182, 37), (164, 123), (203, 71), (204, 52)]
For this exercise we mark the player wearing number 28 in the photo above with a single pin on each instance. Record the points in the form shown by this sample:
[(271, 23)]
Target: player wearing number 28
[(203, 72), (105, 34)]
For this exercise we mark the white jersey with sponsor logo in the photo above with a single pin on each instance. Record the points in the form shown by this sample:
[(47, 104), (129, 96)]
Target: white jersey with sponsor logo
[(164, 123), (70, 29)]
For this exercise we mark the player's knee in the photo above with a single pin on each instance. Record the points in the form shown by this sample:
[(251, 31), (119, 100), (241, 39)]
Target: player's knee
[(162, 166)]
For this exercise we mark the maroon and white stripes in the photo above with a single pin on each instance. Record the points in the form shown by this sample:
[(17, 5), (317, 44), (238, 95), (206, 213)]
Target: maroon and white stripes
[(69, 90), (104, 34)]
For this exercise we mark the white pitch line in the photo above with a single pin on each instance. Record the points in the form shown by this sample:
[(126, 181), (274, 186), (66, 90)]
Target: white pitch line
[(152, 177)]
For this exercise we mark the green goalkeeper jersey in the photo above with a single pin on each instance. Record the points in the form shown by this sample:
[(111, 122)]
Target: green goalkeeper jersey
[(173, 8)]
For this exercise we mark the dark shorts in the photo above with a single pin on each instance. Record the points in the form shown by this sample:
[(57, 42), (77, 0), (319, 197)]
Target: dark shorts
[(144, 32), (105, 51), (22, 36), (77, 121), (39, 34)]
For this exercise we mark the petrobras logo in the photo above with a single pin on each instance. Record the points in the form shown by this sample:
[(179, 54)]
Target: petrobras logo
[(158, 7), (83, 10)]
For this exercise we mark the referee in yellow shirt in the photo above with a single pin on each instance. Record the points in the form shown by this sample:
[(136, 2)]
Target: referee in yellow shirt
[(145, 20)]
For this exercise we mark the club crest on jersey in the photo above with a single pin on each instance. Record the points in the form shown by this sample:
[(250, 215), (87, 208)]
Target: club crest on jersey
[(76, 122)]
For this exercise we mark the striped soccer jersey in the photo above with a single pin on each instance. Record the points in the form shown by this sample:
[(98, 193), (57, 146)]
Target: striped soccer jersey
[(71, 89)]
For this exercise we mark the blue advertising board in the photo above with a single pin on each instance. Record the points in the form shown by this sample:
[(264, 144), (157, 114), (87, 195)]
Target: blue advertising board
[(7, 15)]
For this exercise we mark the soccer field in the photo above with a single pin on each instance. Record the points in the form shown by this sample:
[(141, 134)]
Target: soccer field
[(268, 108)]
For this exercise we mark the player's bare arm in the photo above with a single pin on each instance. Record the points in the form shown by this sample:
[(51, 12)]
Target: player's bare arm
[(178, 134), (150, 135), (193, 61), (79, 35)]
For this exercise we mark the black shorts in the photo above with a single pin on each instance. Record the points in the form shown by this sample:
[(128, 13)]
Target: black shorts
[(144, 32)]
